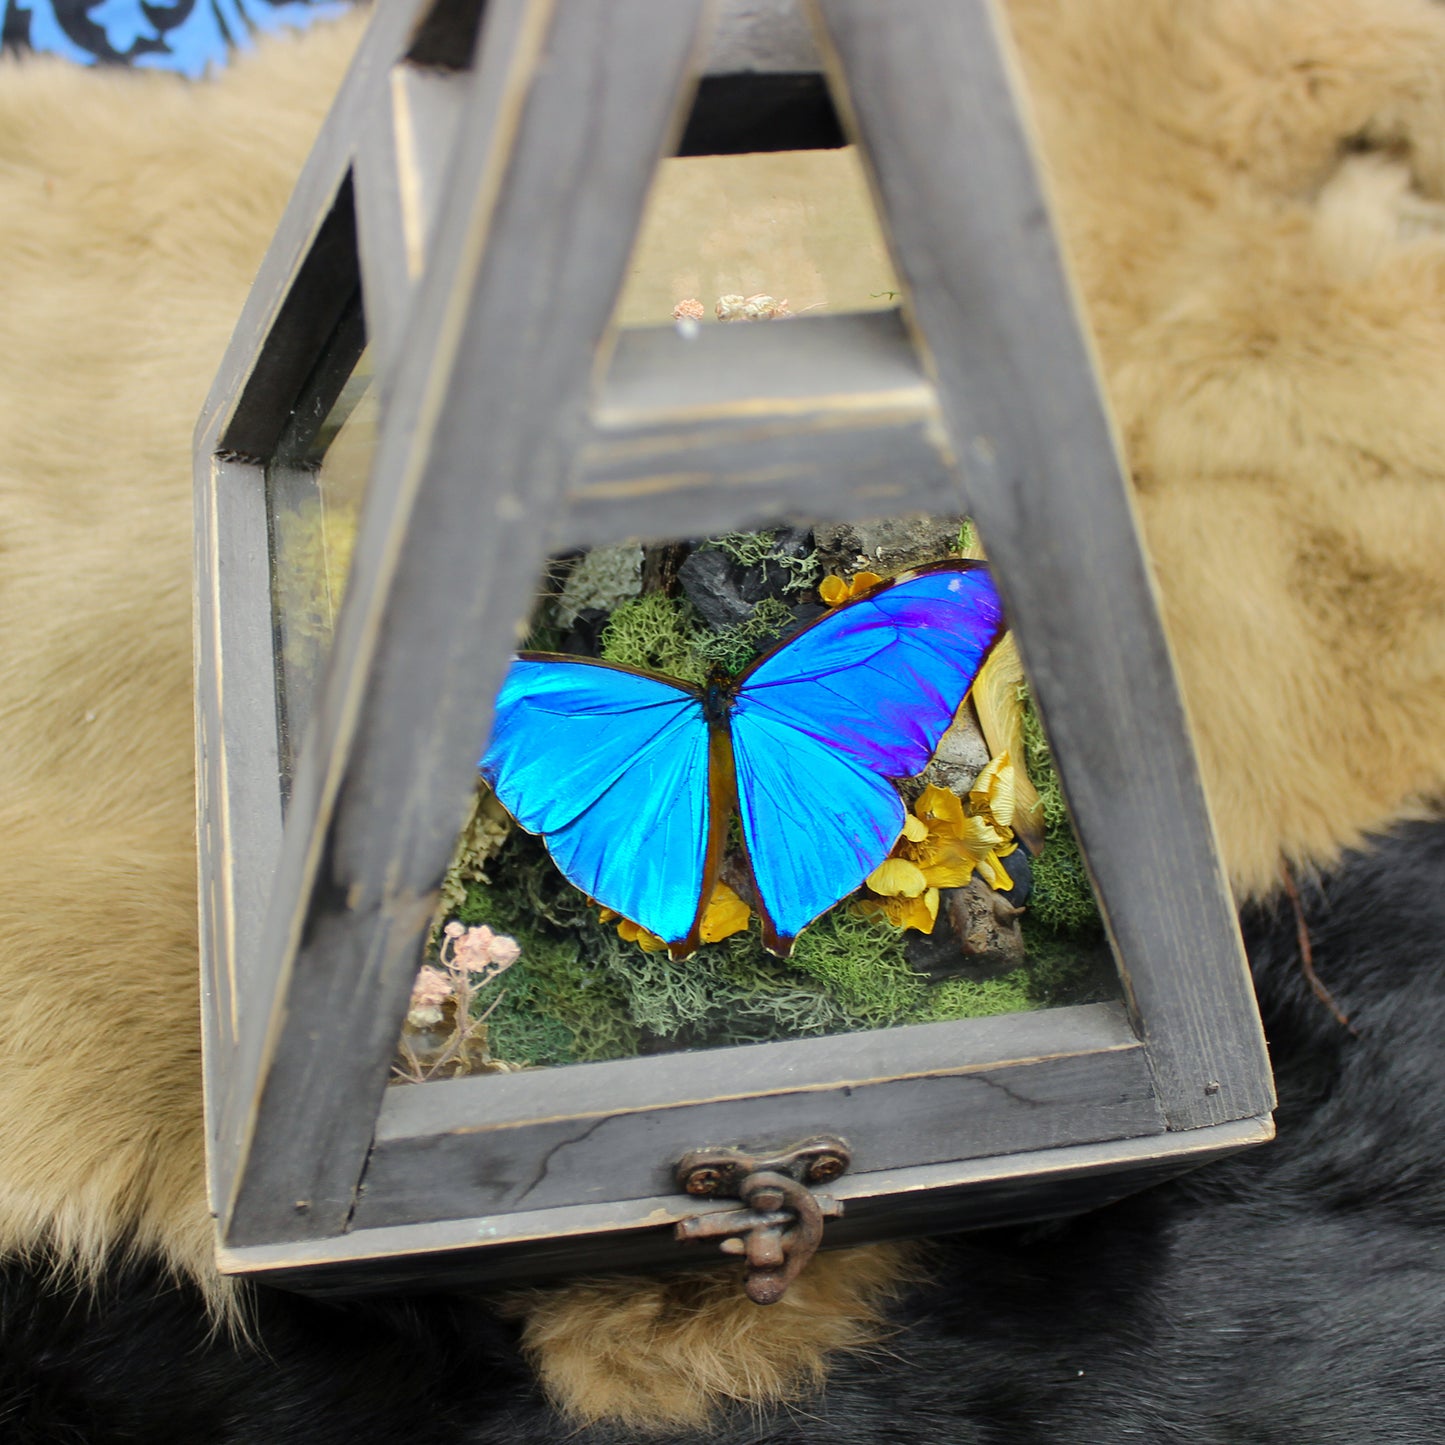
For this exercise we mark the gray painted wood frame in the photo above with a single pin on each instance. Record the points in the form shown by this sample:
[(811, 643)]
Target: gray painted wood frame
[(514, 423)]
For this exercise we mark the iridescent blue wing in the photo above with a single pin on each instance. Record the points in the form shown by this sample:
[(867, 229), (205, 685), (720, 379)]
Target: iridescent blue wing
[(611, 768), (824, 721)]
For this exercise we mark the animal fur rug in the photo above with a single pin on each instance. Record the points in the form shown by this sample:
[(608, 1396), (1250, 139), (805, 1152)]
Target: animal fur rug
[(1253, 193)]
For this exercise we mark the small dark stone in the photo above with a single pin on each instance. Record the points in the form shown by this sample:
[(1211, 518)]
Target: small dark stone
[(713, 584), (1019, 867), (584, 637), (804, 613), (936, 954), (770, 579), (725, 592)]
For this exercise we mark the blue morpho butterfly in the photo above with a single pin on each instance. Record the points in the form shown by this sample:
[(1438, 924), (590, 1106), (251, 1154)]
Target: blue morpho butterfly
[(631, 778)]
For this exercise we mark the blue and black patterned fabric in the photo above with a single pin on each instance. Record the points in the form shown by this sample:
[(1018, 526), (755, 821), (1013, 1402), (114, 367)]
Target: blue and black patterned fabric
[(188, 36)]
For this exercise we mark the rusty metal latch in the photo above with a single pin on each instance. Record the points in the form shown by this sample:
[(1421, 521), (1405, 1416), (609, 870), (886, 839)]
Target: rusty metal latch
[(782, 1224)]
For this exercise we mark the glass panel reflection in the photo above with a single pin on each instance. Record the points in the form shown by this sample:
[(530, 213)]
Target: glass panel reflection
[(315, 486), (794, 227), (977, 902)]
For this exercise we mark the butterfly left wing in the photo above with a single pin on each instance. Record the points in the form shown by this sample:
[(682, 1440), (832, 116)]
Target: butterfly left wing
[(611, 767), (820, 724)]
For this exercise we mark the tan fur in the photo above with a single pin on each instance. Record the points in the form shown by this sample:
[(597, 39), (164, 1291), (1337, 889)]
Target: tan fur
[(647, 1352), (1268, 308), (134, 210), (1254, 196)]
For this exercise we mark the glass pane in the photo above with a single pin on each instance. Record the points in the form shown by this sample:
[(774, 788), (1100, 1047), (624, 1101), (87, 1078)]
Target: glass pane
[(981, 905), (794, 227), (314, 490)]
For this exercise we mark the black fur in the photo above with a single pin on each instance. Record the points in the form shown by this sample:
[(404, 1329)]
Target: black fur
[(1292, 1295)]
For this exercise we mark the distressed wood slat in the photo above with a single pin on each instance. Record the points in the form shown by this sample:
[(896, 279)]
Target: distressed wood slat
[(623, 1085), (745, 425), (401, 169), (1036, 1184), (929, 92), (534, 250), (890, 1123), (816, 364), (502, 1142), (699, 479), (237, 766), (305, 282)]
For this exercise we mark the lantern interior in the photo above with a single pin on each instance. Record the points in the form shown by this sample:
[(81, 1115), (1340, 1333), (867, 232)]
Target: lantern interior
[(984, 906)]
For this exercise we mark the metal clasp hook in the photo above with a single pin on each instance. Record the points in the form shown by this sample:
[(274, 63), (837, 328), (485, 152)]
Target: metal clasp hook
[(780, 1229)]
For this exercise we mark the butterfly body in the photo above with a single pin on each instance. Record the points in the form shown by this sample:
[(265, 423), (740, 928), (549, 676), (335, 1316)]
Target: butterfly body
[(632, 778)]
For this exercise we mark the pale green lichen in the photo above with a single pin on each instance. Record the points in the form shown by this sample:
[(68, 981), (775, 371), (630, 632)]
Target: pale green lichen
[(966, 998), (863, 965), (601, 580), (481, 839), (1062, 896), (726, 993), (732, 648), (753, 549), (658, 634)]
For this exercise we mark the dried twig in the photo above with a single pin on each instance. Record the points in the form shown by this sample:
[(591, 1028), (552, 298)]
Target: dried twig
[(1307, 954)]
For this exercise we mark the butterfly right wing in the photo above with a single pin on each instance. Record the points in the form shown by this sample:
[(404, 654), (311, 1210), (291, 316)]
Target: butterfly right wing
[(816, 822), (611, 767)]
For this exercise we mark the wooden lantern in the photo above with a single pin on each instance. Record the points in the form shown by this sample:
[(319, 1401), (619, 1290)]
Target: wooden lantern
[(456, 244)]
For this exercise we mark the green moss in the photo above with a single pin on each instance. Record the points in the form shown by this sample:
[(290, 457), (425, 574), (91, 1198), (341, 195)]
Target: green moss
[(966, 998), (1062, 896), (732, 648), (657, 633), (731, 992), (863, 966), (1067, 968), (556, 1007)]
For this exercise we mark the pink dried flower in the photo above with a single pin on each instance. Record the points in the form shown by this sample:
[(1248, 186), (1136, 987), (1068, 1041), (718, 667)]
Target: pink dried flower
[(478, 951), (689, 310), (431, 990)]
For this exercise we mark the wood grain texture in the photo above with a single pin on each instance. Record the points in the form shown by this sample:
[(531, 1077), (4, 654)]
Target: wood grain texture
[(1037, 1184), (613, 1131), (238, 767), (749, 425), (968, 1113), (552, 170), (931, 99)]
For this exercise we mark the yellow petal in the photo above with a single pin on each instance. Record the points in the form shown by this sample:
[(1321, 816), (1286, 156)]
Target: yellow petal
[(631, 932), (979, 836), (914, 829), (940, 809), (994, 873), (897, 877), (861, 582), (726, 914), (606, 915), (993, 790), (833, 590), (920, 913), (950, 869), (1000, 711)]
